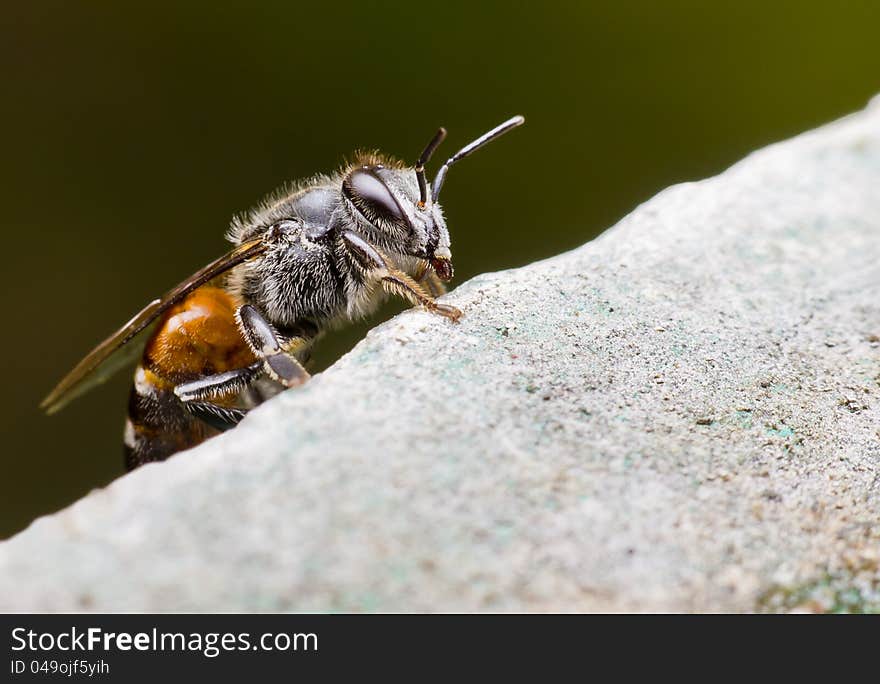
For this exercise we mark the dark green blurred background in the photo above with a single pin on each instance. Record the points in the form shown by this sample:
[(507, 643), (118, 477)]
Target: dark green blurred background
[(132, 134)]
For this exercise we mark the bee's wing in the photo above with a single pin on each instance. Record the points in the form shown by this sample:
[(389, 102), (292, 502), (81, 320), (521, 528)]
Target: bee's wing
[(106, 358)]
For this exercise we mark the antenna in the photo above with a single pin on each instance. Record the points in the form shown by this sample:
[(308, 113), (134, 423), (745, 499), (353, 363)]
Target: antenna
[(470, 148), (423, 159)]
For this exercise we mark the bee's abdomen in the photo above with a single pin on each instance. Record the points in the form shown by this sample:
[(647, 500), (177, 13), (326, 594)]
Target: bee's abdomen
[(158, 424), (196, 338)]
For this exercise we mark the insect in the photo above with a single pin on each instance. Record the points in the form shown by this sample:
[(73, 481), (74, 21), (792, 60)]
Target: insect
[(312, 256)]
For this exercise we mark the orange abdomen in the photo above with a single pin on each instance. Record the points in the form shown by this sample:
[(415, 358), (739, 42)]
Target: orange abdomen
[(196, 338)]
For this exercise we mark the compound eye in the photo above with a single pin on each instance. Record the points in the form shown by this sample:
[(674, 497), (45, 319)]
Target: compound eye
[(371, 196)]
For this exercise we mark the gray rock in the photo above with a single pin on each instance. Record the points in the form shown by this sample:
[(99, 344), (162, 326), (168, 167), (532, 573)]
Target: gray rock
[(683, 415)]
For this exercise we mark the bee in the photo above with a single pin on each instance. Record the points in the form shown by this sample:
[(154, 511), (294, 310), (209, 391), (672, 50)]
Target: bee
[(311, 257)]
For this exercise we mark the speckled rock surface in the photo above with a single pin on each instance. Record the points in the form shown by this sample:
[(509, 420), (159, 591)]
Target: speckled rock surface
[(683, 415)]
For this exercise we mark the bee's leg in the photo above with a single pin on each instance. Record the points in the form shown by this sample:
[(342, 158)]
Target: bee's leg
[(399, 283), (220, 385), (432, 283), (394, 280), (196, 395), (220, 417), (275, 354)]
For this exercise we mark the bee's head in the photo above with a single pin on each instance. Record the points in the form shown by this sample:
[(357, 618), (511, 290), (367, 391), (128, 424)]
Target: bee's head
[(385, 202), (396, 208)]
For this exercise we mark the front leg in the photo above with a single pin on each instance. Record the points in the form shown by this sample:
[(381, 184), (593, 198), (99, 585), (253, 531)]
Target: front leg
[(394, 280), (428, 279)]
